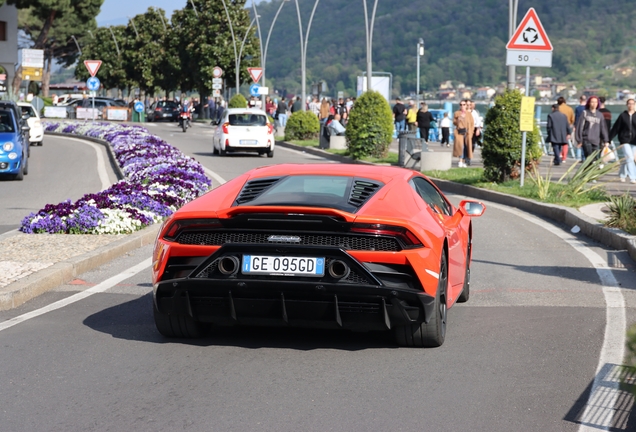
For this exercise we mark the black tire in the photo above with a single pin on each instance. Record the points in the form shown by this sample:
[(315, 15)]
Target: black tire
[(270, 154), (184, 126), (20, 176), (222, 152), (465, 295), (214, 150), (178, 326), (40, 143), (29, 151), (433, 333), (26, 167)]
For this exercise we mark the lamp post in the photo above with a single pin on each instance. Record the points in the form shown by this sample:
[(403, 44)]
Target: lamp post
[(512, 25), (420, 53), (369, 32), (303, 51), (77, 44), (236, 62)]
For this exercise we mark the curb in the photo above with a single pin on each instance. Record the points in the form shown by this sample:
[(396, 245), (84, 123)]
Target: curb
[(111, 156), (37, 283)]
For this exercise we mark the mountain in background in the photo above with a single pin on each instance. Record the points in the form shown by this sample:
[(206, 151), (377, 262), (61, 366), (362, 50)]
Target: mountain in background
[(594, 42)]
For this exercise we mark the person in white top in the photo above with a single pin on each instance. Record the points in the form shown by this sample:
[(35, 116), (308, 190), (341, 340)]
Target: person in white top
[(479, 123), (445, 124), (314, 107)]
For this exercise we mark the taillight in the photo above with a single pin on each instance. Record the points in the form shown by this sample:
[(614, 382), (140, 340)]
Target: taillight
[(406, 236), (158, 109), (225, 128), (177, 226), (270, 128)]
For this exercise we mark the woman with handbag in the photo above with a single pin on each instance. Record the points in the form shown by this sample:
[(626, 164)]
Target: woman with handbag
[(464, 127), (591, 130), (625, 128)]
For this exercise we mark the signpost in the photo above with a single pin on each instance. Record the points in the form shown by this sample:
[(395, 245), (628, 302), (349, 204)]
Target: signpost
[(529, 46), (93, 82), (254, 89), (32, 64), (256, 73), (217, 72), (32, 73), (139, 109)]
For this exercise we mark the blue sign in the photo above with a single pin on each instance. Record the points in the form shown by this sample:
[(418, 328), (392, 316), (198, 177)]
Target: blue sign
[(93, 83), (139, 106), (254, 89)]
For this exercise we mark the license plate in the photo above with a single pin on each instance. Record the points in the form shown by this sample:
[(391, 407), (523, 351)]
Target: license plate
[(283, 266), (248, 142)]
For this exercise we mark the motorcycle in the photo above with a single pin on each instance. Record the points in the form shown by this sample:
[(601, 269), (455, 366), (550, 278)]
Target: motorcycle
[(184, 120)]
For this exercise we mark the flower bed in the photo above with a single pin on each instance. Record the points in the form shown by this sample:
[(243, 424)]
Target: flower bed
[(159, 180)]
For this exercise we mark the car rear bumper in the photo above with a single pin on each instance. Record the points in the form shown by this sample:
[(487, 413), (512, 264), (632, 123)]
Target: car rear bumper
[(360, 301)]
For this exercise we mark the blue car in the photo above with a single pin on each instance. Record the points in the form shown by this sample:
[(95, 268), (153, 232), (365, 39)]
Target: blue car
[(14, 161)]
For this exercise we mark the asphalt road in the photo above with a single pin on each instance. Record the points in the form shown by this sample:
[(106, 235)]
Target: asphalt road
[(520, 355), (61, 169)]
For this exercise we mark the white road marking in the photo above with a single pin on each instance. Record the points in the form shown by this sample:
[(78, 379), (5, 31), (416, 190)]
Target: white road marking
[(214, 176), (600, 407), (99, 288), (101, 163)]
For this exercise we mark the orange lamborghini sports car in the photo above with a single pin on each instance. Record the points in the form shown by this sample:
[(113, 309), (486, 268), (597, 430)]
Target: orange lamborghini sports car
[(320, 245)]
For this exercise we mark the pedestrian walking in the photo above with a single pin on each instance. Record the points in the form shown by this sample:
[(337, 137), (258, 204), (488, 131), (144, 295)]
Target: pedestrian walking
[(478, 122), (625, 128), (577, 113), (607, 114), (559, 131), (590, 129), (464, 125), (445, 125), (569, 114), (297, 105), (424, 119), (411, 116), (399, 115), (281, 112)]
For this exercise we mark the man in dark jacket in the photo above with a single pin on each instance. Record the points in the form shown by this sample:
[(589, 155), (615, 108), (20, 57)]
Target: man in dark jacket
[(625, 128), (424, 119), (558, 132), (399, 115)]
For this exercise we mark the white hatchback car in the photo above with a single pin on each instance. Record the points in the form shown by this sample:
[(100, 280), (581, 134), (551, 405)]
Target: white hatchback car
[(244, 130), (36, 132)]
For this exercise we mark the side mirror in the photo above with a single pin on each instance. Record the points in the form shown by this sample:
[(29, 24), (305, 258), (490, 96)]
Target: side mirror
[(25, 128), (472, 208), (25, 116)]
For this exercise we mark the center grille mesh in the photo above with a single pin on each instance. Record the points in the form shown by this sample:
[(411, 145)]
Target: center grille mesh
[(347, 242)]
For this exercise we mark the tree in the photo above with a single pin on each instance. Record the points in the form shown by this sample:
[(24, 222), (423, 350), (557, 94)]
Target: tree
[(102, 47), (206, 41), (50, 25)]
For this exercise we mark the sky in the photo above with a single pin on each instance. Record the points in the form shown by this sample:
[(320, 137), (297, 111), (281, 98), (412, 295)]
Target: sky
[(115, 12)]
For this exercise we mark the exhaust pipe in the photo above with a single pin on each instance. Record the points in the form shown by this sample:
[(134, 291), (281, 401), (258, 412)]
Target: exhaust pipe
[(338, 269), (228, 265)]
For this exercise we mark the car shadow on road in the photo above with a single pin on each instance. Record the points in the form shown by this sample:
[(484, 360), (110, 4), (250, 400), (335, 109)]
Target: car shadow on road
[(234, 155), (133, 320), (582, 274)]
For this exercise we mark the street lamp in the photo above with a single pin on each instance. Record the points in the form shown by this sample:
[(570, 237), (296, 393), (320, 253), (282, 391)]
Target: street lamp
[(369, 32), (420, 53), (236, 61), (238, 66), (78, 47), (271, 27), (303, 51), (512, 25)]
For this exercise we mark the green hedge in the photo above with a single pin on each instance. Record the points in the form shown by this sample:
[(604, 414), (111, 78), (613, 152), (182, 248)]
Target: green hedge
[(501, 147), (302, 125), (237, 101), (370, 127)]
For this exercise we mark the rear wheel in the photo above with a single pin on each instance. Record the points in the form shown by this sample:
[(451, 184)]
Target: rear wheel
[(270, 154), (433, 333), (214, 150), (178, 326), (463, 297)]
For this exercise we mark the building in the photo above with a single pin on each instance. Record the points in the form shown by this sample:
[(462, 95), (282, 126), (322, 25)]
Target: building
[(8, 45)]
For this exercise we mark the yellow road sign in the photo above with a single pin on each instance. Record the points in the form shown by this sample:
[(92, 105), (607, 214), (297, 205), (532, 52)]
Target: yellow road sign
[(526, 118), (32, 74)]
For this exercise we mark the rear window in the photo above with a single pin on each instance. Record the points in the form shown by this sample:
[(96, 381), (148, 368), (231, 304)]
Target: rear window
[(167, 104), (6, 121), (247, 119)]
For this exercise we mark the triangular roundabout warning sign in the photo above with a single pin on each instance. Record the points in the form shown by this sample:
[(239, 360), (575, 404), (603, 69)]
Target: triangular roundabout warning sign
[(530, 35)]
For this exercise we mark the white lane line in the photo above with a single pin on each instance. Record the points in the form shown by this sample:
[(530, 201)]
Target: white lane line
[(597, 416), (99, 288), (101, 162), (214, 176)]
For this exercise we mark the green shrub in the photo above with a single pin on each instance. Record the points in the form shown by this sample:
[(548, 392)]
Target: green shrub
[(501, 148), (370, 127), (237, 101), (302, 125), (622, 213)]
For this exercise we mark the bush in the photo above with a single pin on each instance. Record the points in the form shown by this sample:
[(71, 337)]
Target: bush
[(622, 213), (302, 125), (501, 148), (370, 127), (237, 101)]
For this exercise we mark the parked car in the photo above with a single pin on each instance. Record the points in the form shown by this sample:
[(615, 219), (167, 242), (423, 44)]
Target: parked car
[(339, 246), (14, 159), (100, 104), (36, 130), (163, 110), (244, 130)]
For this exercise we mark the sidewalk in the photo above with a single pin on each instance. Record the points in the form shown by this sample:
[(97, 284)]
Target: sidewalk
[(611, 181)]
